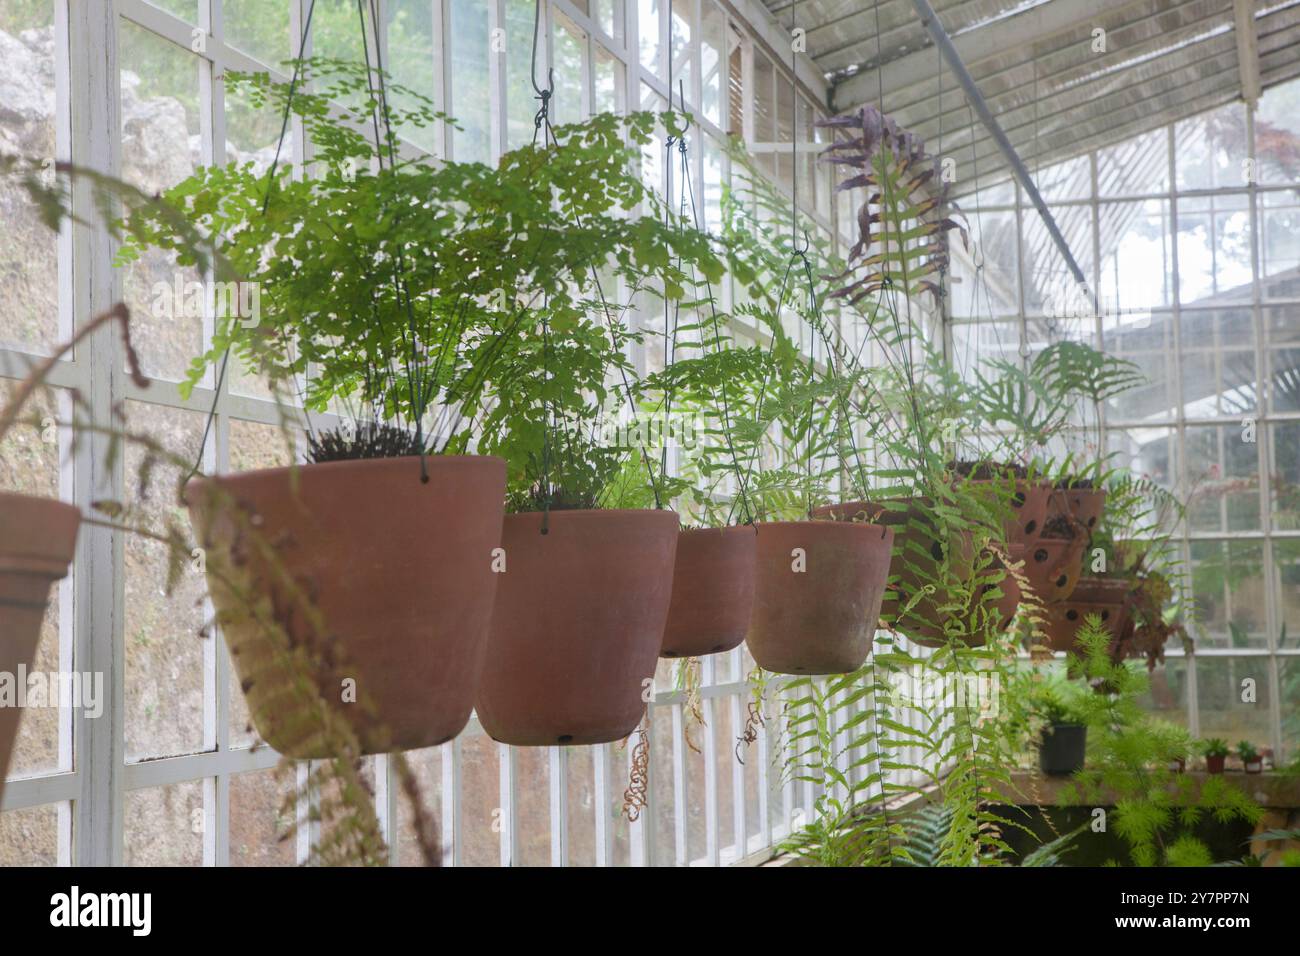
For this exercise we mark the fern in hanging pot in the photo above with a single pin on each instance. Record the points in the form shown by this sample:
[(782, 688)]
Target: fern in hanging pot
[(365, 295)]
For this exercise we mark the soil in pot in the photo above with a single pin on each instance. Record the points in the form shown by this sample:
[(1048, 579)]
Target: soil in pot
[(400, 570), (919, 555), (1061, 751), (578, 625), (713, 591), (817, 595), (38, 538), (1108, 598)]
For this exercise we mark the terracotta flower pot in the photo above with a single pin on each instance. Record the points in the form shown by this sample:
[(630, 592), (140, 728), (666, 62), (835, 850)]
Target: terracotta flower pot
[(400, 571), (1214, 763), (1108, 598), (1085, 505), (918, 556), (37, 540), (713, 591), (1054, 566), (817, 596), (1253, 766), (578, 625)]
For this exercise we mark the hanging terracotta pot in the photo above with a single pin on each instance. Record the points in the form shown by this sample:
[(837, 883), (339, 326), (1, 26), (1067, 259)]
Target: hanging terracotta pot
[(399, 569), (817, 596), (38, 537), (713, 591), (578, 625), (1108, 598), (1084, 505), (918, 559), (1054, 565)]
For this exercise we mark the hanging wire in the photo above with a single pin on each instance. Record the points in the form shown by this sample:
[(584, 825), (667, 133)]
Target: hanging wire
[(266, 201)]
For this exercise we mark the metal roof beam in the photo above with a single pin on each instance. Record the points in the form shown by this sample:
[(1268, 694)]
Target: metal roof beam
[(1247, 49), (950, 54)]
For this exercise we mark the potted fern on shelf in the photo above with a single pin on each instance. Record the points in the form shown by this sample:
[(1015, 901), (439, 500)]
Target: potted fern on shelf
[(1215, 750), (1251, 760)]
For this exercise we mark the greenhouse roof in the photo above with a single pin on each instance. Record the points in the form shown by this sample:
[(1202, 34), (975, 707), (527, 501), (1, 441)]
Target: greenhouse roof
[(1052, 83)]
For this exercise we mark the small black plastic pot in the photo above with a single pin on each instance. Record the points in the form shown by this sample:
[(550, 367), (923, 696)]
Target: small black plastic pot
[(1062, 748)]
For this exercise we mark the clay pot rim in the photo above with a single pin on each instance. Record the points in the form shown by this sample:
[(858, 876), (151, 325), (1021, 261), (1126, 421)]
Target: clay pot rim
[(593, 512), (886, 532), (729, 529), (351, 464), (1096, 584)]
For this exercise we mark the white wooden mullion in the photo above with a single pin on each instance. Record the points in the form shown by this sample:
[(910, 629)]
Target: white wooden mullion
[(711, 813), (451, 803), (508, 815), (558, 779), (498, 129), (604, 839)]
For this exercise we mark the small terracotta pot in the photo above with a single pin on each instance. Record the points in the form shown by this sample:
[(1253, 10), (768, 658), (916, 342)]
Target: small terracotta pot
[(1253, 766), (917, 556), (400, 571), (1108, 598), (713, 591), (1054, 566), (1085, 505), (1214, 764), (817, 595), (578, 625), (38, 538)]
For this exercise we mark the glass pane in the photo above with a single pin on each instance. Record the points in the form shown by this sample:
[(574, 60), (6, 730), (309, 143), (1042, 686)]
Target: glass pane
[(160, 147), (1284, 478), (1050, 287), (30, 837), (1288, 672), (1218, 367), (1228, 585), (410, 61), (426, 765), (1224, 472), (1150, 346), (1210, 149), (1233, 699), (29, 465), (1071, 179), (165, 682), (521, 101), (163, 826), (713, 61), (650, 13), (1286, 563), (1277, 134), (608, 15), (1135, 167), (735, 86), (470, 93), (1214, 249), (481, 818), (186, 9), (1282, 372), (580, 796), (29, 260), (1279, 245), (260, 29), (992, 290), (259, 818), (569, 48), (610, 76), (1136, 259), (685, 40), (1166, 697), (533, 806)]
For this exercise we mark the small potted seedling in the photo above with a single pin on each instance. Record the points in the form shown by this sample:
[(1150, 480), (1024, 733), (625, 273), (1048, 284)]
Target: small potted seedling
[(1065, 736), (1175, 745), (1216, 751), (1251, 761)]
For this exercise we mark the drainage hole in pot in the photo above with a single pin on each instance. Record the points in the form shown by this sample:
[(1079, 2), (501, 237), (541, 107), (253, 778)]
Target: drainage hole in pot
[(1072, 615), (1105, 615), (1019, 500), (1040, 555), (1061, 581), (1092, 521), (936, 549), (565, 738), (1030, 526), (669, 654), (718, 647)]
